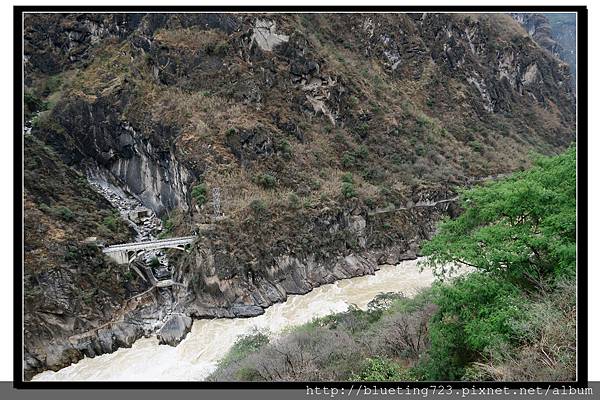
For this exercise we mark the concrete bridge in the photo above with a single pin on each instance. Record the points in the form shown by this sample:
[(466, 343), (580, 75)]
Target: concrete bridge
[(126, 253)]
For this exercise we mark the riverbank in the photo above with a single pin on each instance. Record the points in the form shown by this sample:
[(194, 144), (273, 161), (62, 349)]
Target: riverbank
[(210, 339)]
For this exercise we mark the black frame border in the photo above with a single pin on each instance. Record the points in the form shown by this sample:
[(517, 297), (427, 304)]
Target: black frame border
[(582, 201)]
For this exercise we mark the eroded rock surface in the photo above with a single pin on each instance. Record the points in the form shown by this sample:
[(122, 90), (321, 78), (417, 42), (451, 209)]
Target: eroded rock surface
[(174, 329), (335, 141)]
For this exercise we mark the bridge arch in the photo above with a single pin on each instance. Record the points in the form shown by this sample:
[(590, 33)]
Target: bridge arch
[(129, 252)]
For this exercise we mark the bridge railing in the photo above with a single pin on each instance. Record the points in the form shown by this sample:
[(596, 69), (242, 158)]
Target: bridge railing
[(149, 244)]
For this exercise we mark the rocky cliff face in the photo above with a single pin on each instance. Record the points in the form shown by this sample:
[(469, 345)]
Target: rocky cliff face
[(331, 139), (229, 273), (555, 33), (69, 288), (94, 134)]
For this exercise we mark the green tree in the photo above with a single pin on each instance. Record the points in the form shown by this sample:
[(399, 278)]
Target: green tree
[(243, 346), (521, 228), (519, 236), (475, 318)]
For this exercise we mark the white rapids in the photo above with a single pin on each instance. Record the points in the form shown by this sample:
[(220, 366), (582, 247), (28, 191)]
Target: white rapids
[(210, 339)]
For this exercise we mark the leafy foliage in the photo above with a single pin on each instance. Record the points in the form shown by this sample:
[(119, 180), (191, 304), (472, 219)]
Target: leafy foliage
[(475, 316), (65, 213), (111, 222), (168, 225), (348, 190), (267, 181), (519, 236), (381, 369), (243, 346), (521, 228), (33, 103), (294, 201), (199, 193), (258, 206)]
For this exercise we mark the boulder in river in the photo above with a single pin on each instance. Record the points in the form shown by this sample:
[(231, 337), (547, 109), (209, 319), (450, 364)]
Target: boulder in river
[(174, 330), (246, 310)]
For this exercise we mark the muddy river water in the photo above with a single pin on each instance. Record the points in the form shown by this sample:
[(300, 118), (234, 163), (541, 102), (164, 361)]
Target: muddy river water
[(210, 339)]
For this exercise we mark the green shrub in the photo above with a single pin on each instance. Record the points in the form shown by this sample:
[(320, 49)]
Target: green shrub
[(285, 148), (71, 254), (354, 320), (396, 159), (267, 181), (356, 157), (423, 121), (381, 370), (373, 173), (314, 184), (362, 130), (248, 374), (199, 193), (230, 132), (475, 317), (420, 150), (340, 138), (348, 190), (476, 146), (111, 222), (243, 346), (168, 225), (33, 103), (347, 178), (294, 201), (258, 206), (64, 213), (221, 48), (348, 159), (362, 152), (53, 84)]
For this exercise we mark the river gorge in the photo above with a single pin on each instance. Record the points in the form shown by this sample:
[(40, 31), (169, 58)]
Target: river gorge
[(210, 339)]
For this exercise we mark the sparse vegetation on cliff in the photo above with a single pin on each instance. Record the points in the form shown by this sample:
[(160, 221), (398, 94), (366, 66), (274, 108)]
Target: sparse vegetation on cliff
[(320, 146), (512, 319)]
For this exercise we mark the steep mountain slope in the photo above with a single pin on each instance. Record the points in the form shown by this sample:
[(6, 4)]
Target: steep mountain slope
[(69, 287), (555, 32), (334, 139)]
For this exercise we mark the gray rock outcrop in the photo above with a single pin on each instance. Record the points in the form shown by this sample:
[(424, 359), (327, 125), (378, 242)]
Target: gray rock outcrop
[(174, 330)]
